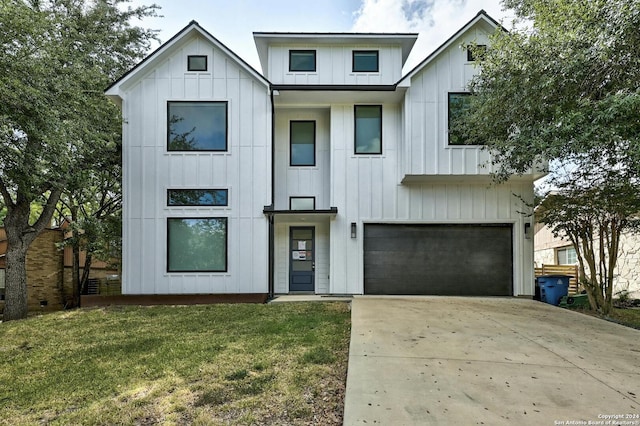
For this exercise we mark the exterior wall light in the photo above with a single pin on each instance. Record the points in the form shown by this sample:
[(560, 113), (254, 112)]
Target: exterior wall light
[(527, 231), (353, 230)]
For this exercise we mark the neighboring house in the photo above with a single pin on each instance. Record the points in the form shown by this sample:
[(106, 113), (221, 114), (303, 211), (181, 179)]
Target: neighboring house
[(331, 173), (49, 272), (550, 250)]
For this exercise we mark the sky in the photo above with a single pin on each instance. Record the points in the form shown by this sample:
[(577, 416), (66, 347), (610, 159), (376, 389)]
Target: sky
[(233, 21)]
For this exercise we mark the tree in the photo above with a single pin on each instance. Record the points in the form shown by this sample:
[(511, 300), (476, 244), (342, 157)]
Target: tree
[(57, 56), (564, 86)]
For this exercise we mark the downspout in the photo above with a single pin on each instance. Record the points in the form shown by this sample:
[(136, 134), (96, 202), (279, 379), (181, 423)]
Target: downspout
[(270, 215)]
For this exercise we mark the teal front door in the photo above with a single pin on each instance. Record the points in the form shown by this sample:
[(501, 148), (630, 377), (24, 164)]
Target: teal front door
[(302, 263)]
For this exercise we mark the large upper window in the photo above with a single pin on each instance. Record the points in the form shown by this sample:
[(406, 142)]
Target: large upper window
[(458, 106), (368, 129), (197, 244), (302, 60), (365, 61), (303, 143), (197, 197), (197, 126)]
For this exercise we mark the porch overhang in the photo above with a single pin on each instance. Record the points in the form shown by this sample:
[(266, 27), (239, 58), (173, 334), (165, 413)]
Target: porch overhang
[(300, 215)]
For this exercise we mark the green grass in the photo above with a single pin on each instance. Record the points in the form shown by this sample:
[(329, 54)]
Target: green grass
[(628, 317), (217, 364)]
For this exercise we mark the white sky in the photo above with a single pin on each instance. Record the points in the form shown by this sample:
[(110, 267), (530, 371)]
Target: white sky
[(234, 21)]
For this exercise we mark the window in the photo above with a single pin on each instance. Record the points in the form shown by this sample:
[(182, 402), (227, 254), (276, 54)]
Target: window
[(365, 61), (196, 63), (302, 203), (458, 105), (476, 52), (567, 256), (197, 197), (197, 126), (368, 129), (197, 244), (302, 60), (303, 143)]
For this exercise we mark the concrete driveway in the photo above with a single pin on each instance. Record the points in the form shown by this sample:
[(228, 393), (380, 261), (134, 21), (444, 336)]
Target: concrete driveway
[(468, 361)]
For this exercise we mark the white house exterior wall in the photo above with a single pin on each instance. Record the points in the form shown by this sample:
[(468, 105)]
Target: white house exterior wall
[(426, 151), (149, 170), (334, 65)]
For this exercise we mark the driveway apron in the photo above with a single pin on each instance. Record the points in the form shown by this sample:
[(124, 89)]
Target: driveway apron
[(492, 361)]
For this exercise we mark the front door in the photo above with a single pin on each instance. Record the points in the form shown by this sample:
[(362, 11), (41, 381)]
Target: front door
[(302, 263)]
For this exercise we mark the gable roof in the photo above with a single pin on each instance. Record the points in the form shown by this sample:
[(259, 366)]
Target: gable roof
[(482, 16), (165, 49)]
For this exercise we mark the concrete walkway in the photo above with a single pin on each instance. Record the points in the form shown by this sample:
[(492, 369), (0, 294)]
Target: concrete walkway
[(468, 361)]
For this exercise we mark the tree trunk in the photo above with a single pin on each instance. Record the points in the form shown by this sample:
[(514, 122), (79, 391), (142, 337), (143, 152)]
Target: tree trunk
[(86, 270), (75, 276), (16, 283)]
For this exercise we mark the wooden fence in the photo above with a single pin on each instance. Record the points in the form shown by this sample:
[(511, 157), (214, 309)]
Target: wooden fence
[(570, 270)]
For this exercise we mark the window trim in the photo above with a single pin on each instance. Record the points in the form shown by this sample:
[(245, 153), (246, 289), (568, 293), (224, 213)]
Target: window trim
[(355, 130), (353, 61), (226, 245), (315, 59), (206, 63), (449, 144), (291, 143), (197, 189), (226, 126), (298, 197)]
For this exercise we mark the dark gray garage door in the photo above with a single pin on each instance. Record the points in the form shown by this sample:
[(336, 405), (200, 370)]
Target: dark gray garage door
[(465, 260)]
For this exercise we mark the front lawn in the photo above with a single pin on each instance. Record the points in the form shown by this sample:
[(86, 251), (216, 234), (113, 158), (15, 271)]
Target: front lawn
[(218, 364)]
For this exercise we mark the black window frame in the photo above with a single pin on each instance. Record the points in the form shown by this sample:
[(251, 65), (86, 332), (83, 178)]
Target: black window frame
[(315, 139), (449, 119), (299, 197), (355, 130), (190, 66), (353, 60), (315, 60), (226, 246), (226, 126), (170, 204)]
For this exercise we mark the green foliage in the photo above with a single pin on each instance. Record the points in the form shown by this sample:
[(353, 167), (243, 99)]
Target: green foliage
[(564, 86)]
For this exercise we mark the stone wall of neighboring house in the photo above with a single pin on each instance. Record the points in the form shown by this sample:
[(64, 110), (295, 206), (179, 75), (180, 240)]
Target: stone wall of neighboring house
[(628, 268)]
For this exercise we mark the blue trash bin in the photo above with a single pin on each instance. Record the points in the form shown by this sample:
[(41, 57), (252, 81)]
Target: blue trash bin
[(553, 288)]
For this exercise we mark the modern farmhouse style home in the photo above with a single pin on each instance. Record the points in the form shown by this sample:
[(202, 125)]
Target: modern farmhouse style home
[(330, 172)]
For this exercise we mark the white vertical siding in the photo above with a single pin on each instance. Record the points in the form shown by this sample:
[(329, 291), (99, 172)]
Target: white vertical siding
[(149, 170), (334, 65)]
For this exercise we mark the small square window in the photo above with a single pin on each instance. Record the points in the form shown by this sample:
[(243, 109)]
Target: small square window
[(196, 126), (196, 63), (302, 203), (368, 129), (476, 52), (302, 60), (197, 197), (567, 256), (365, 61), (303, 143)]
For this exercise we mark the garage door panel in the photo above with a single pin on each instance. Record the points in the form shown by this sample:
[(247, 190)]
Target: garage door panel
[(438, 259)]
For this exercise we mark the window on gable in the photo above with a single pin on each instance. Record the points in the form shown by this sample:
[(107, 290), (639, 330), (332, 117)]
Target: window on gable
[(303, 143), (197, 244), (458, 106), (196, 63), (302, 203), (302, 60), (368, 129), (197, 197), (476, 52), (365, 61), (197, 126)]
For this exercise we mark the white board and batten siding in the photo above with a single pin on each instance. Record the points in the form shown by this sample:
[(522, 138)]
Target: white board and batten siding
[(426, 150), (334, 65), (150, 170)]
